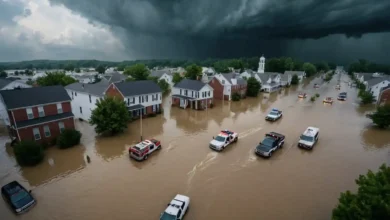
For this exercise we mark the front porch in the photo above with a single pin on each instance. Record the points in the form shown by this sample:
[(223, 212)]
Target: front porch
[(192, 103), (269, 88)]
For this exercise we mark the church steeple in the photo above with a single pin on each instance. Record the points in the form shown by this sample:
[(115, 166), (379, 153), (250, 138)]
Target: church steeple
[(261, 64)]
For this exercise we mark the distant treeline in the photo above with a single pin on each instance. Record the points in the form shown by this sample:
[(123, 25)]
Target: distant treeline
[(221, 65)]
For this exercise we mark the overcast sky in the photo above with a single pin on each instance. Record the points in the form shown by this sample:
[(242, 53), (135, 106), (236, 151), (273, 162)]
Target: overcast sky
[(334, 30)]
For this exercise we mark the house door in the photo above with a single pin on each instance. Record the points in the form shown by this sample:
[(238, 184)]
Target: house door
[(154, 108), (182, 103)]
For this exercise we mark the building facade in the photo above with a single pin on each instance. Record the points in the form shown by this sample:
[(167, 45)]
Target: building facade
[(225, 85), (192, 94)]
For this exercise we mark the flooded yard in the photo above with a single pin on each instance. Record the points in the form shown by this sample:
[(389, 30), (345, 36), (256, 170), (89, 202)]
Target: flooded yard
[(233, 184)]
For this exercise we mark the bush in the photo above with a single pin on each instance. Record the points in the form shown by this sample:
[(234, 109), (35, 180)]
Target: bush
[(236, 97), (317, 95), (211, 105), (294, 79), (68, 138), (313, 98), (28, 153), (381, 117)]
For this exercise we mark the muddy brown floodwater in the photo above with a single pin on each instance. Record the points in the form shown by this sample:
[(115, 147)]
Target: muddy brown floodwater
[(234, 184)]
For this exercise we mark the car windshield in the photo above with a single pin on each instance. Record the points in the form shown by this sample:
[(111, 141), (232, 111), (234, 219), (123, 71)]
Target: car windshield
[(268, 141), (167, 216), (21, 198), (273, 113), (306, 138), (220, 138)]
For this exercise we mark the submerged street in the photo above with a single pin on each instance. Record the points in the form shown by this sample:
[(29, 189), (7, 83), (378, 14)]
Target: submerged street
[(233, 184)]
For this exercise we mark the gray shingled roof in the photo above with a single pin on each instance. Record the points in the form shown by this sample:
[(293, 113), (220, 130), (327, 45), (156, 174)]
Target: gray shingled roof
[(19, 98), (114, 77), (230, 76), (96, 89), (263, 77), (284, 77), (299, 73), (195, 85), (376, 80), (141, 87), (4, 82), (159, 73)]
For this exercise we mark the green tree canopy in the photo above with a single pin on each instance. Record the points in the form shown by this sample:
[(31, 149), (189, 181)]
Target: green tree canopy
[(110, 116), (381, 117), (193, 71), (322, 66), (55, 78), (294, 80), (28, 153), (77, 70), (366, 97), (69, 67), (176, 78), (137, 72), (121, 67), (3, 74), (100, 69), (372, 200), (221, 67), (253, 87), (309, 68), (163, 85)]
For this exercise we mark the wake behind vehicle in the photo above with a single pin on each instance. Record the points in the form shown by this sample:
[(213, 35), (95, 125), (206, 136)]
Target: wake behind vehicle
[(302, 95), (271, 142), (328, 100), (176, 209), (142, 150), (223, 139), (17, 197), (274, 115), (342, 96), (309, 138)]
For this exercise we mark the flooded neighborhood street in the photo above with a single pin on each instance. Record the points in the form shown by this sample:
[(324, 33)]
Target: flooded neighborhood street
[(233, 184)]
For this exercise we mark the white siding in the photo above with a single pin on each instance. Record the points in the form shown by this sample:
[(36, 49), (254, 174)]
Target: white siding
[(376, 89), (192, 93), (167, 78), (138, 99), (246, 75), (82, 100)]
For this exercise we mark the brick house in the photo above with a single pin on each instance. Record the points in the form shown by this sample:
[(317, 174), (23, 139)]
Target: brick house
[(38, 113), (192, 93), (225, 85), (143, 96), (384, 96)]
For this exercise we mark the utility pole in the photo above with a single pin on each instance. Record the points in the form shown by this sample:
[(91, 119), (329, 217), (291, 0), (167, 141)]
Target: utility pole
[(141, 114)]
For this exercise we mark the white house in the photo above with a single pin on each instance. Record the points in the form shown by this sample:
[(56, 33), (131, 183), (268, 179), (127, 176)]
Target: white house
[(300, 74), (192, 93), (247, 74), (141, 97), (163, 75), (207, 74), (285, 79), (270, 82), (376, 84)]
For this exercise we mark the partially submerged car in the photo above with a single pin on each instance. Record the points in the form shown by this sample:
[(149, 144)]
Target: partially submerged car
[(17, 197), (223, 139), (271, 142), (274, 115), (176, 209), (142, 150), (342, 96), (309, 138), (328, 100), (302, 95)]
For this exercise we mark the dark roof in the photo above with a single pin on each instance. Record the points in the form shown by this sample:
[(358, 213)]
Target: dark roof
[(190, 84), (294, 72), (159, 73), (116, 77), (25, 97), (141, 87), (4, 82), (96, 89), (230, 76), (135, 107), (376, 80), (31, 122)]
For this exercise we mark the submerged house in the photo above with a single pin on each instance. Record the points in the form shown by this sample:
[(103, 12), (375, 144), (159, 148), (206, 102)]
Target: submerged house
[(192, 94)]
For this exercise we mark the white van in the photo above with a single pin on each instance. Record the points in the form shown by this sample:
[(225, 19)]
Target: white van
[(309, 138)]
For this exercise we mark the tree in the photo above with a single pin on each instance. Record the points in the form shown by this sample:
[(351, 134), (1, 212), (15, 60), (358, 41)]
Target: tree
[(110, 116), (3, 74), (69, 67), (381, 117), (176, 78), (55, 78), (163, 85), (100, 69), (28, 153), (137, 72), (77, 70), (221, 67), (236, 97), (366, 97), (68, 138), (309, 68), (294, 80), (121, 67), (28, 72), (322, 66), (253, 87), (193, 72), (372, 200), (289, 64), (16, 72)]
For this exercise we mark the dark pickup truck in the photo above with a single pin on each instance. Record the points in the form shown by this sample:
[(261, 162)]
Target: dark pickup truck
[(271, 142)]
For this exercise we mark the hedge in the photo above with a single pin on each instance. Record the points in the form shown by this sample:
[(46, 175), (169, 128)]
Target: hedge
[(68, 138)]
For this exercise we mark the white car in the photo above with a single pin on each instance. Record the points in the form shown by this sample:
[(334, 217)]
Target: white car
[(176, 209), (223, 139), (274, 115), (309, 138)]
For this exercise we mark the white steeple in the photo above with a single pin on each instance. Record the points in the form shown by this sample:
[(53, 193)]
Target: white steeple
[(261, 64)]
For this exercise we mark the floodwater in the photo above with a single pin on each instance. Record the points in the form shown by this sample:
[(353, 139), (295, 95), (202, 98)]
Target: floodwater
[(234, 184)]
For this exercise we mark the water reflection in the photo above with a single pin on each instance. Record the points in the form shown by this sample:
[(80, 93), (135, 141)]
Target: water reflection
[(55, 165), (109, 148), (362, 110), (190, 120), (374, 138)]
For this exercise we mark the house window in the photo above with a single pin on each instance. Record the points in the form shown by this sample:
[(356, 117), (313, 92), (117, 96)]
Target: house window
[(72, 95), (41, 111), (81, 110), (37, 134), (59, 108), (180, 91), (61, 126), (154, 108), (90, 99), (186, 92), (30, 114), (192, 93), (209, 93), (142, 99), (139, 99), (128, 101), (75, 93), (46, 129), (160, 97), (146, 98)]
